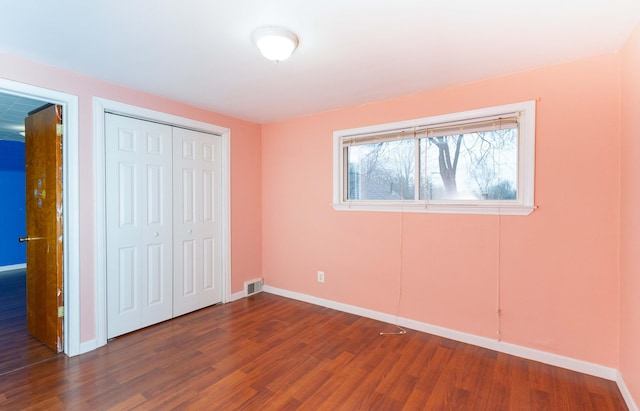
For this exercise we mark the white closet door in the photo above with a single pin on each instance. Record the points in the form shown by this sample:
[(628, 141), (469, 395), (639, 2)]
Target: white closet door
[(196, 221), (139, 223)]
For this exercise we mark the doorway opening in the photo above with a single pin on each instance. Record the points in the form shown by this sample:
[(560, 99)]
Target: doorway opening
[(70, 200), (20, 346)]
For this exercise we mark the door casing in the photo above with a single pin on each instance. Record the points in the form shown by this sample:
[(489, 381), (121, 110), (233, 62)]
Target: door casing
[(100, 106), (71, 201)]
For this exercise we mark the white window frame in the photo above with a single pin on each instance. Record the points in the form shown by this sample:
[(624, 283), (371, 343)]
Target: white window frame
[(523, 205)]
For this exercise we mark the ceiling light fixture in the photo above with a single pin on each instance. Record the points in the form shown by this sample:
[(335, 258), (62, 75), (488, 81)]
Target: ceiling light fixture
[(275, 43)]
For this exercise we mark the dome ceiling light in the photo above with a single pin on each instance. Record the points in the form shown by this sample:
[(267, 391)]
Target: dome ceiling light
[(275, 43)]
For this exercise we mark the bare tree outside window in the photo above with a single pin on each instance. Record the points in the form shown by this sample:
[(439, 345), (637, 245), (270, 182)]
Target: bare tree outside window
[(493, 163), (382, 171), (446, 166), (473, 166)]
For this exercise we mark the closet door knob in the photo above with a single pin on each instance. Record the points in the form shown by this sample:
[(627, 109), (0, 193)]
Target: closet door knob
[(156, 234)]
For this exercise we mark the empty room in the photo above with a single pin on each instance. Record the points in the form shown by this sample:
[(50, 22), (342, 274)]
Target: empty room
[(355, 205)]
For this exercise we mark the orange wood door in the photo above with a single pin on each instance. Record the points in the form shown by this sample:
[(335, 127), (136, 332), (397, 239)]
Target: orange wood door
[(43, 158)]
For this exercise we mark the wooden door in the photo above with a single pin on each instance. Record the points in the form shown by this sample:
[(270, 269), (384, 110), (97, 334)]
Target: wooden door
[(196, 220), (138, 221), (43, 177)]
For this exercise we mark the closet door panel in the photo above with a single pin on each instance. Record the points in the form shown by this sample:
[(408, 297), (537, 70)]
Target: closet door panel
[(189, 277), (197, 268), (209, 259), (139, 223)]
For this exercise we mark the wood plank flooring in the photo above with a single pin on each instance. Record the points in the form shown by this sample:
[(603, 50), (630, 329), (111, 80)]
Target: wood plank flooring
[(17, 348), (270, 353)]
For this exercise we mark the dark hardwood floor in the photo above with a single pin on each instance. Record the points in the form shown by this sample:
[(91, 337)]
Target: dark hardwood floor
[(271, 353), (17, 348)]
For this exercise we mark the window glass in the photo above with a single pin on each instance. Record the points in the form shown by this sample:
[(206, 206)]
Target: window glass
[(381, 171), (471, 166)]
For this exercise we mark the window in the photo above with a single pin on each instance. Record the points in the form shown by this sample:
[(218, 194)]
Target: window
[(475, 162)]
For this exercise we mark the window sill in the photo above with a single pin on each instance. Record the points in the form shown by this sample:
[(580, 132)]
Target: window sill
[(487, 209)]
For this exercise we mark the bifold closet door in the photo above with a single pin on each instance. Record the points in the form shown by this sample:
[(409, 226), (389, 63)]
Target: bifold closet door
[(196, 220), (139, 223)]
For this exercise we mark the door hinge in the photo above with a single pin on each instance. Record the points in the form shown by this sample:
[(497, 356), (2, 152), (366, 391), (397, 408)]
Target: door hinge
[(59, 129), (60, 311)]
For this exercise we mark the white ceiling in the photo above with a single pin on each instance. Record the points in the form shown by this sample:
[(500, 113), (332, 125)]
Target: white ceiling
[(351, 51)]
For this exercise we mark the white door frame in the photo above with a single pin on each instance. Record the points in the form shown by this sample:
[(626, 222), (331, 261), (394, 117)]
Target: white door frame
[(70, 203), (101, 105)]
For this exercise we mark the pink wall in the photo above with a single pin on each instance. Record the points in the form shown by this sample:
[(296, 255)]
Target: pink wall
[(630, 217), (558, 266), (245, 169)]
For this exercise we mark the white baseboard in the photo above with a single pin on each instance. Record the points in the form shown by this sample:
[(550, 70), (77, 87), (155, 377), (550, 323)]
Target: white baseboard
[(500, 346), (237, 296), (626, 394), (12, 267)]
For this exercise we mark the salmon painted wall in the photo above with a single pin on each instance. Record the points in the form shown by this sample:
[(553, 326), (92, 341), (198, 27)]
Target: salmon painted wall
[(558, 267), (245, 169), (630, 217)]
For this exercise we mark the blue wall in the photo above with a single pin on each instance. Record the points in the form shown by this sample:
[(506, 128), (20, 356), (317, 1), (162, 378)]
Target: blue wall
[(12, 203)]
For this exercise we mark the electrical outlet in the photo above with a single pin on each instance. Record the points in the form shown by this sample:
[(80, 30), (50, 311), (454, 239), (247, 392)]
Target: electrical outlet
[(321, 276)]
